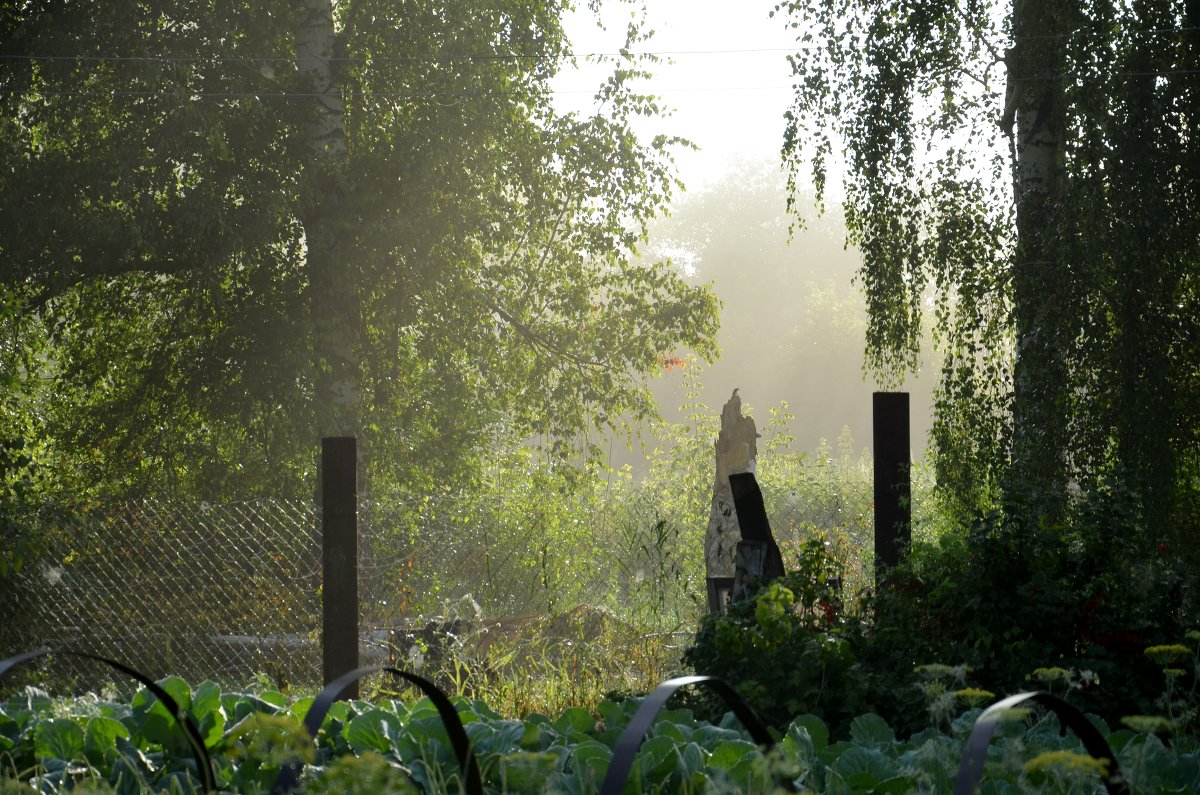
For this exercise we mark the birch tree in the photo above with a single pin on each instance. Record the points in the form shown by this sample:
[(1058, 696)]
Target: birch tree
[(235, 228), (1029, 167), (337, 314)]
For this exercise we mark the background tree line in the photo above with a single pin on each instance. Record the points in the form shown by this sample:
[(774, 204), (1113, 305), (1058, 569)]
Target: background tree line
[(228, 231), (1033, 165)]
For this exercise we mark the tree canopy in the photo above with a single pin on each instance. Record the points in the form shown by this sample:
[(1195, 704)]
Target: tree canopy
[(230, 229), (1031, 167)]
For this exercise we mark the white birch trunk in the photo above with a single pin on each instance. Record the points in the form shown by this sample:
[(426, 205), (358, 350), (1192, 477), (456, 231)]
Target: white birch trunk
[(334, 299), (1040, 288)]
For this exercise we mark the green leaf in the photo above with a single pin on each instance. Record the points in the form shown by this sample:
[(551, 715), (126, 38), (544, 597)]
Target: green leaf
[(752, 774), (373, 731), (575, 722), (870, 729), (897, 785), (657, 759), (274, 698), (613, 714), (176, 688), (865, 768), (691, 761), (501, 737), (589, 761), (340, 711), (528, 772), (298, 709), (728, 753), (536, 736), (678, 732), (239, 706), (100, 736), (208, 712), (709, 736), (58, 738), (153, 723), (424, 739), (816, 729)]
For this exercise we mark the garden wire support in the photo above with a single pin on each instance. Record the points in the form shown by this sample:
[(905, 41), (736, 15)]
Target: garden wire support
[(631, 739), (975, 753), (472, 780), (200, 754)]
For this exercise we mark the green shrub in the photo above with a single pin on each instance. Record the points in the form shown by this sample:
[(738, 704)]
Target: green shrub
[(787, 648), (1010, 597)]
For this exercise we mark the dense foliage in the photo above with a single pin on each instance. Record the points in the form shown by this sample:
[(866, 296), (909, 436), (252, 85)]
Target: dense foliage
[(107, 744), (1032, 168), (1009, 598), (787, 647), (1003, 605), (228, 231)]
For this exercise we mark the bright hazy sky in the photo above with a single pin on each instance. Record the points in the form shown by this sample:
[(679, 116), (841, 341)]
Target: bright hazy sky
[(725, 74), (727, 77)]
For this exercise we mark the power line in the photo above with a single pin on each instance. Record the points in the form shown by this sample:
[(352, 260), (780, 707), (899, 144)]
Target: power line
[(184, 94), (421, 58), (500, 57)]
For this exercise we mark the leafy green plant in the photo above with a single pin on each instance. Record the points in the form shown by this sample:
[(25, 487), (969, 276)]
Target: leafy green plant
[(401, 746), (787, 648), (1066, 607)]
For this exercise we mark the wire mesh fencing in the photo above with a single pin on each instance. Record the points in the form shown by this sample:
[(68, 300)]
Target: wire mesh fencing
[(196, 590), (231, 592)]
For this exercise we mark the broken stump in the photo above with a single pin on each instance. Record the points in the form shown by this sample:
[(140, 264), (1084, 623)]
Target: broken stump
[(735, 450)]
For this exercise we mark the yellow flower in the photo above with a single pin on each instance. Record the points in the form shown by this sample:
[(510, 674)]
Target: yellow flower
[(935, 671), (1069, 760), (974, 695), (1147, 724), (278, 739), (1049, 675), (1164, 655)]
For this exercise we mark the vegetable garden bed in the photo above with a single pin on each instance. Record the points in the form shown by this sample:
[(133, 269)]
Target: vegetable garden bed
[(135, 745)]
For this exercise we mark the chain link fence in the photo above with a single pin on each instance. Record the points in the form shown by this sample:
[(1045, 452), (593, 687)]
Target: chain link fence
[(196, 590), (232, 592)]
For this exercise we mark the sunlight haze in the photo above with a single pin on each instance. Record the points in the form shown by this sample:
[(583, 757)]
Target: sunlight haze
[(724, 73), (793, 322)]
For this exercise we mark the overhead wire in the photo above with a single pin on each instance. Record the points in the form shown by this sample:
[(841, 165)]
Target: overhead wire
[(442, 57), (491, 57), (424, 57)]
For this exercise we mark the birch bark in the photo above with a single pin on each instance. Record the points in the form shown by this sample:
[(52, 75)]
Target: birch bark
[(334, 301), (1040, 288)]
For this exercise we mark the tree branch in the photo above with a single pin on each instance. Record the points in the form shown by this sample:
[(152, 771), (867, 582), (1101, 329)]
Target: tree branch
[(48, 293), (537, 340)]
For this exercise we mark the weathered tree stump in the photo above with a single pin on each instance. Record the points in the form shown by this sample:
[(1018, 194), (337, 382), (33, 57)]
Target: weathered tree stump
[(736, 449)]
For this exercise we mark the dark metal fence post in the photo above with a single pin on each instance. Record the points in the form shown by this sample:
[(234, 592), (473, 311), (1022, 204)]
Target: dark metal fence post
[(339, 559), (893, 489)]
